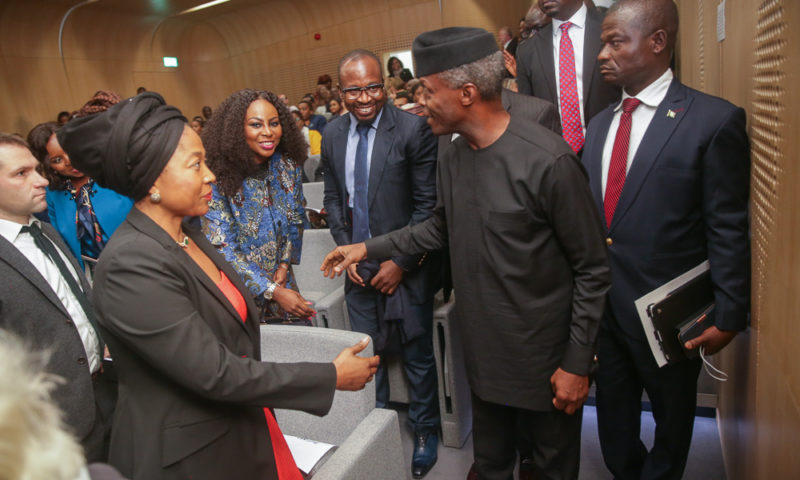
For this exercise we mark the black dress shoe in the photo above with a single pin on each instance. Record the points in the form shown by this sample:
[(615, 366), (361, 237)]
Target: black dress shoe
[(426, 447)]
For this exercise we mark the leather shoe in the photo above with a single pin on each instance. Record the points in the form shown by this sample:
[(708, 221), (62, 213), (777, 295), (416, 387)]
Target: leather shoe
[(527, 469), (426, 445)]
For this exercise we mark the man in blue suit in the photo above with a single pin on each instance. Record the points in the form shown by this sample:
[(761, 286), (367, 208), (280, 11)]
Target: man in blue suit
[(379, 167), (669, 172)]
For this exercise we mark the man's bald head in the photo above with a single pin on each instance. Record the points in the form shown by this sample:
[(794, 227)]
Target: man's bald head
[(651, 15)]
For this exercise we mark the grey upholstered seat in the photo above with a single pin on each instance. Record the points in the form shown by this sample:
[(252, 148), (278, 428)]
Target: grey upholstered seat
[(327, 294), (368, 438)]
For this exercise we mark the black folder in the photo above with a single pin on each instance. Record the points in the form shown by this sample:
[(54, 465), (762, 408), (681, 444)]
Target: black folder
[(682, 315)]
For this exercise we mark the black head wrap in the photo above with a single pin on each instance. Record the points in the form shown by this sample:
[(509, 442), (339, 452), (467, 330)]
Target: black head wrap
[(446, 48), (126, 147)]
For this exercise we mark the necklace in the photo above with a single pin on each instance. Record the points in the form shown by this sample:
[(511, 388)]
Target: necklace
[(183, 243)]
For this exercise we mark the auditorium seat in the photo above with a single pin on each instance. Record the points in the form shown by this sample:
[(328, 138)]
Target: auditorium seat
[(368, 438), (326, 293)]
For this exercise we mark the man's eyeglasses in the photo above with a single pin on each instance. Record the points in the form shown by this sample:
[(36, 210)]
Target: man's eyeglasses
[(373, 90)]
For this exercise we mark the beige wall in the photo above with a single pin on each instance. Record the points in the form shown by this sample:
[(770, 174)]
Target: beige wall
[(118, 45), (757, 66)]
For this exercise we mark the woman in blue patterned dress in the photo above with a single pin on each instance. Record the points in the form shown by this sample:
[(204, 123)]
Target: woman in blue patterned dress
[(256, 214)]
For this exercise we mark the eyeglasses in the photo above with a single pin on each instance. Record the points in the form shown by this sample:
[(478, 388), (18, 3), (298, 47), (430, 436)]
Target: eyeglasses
[(373, 90)]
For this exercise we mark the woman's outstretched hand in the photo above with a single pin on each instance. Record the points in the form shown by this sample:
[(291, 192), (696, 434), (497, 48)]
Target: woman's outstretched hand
[(352, 371)]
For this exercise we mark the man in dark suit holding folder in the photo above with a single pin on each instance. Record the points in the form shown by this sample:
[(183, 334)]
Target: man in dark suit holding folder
[(669, 172)]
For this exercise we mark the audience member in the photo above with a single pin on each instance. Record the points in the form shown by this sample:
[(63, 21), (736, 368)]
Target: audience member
[(184, 333), (322, 97), (206, 112), (528, 260), (535, 20), (255, 217), (312, 137), (45, 300), (63, 117), (326, 81), (84, 213), (669, 169), (576, 86), (508, 42), (282, 97), (197, 124), (398, 74), (311, 120), (380, 172), (335, 107), (140, 90), (401, 99)]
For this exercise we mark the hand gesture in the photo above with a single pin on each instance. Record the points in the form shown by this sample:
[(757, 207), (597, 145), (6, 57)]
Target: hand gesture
[(352, 371), (292, 302), (388, 278), (342, 256)]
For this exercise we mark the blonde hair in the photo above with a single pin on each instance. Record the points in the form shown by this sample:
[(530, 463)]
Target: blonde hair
[(33, 441)]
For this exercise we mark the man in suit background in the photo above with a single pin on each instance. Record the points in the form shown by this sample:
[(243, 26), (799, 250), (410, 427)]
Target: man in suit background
[(562, 69), (507, 40), (46, 309), (380, 175), (669, 172)]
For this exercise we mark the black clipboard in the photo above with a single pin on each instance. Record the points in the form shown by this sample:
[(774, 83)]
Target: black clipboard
[(682, 315)]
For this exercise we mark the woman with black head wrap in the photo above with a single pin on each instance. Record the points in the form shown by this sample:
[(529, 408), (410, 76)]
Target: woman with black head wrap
[(183, 333)]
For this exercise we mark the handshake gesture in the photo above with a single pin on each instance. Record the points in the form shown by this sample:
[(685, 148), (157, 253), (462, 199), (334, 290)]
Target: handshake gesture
[(342, 257)]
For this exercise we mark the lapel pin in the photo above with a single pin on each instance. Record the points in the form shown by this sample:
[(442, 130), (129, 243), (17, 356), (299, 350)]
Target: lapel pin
[(670, 114)]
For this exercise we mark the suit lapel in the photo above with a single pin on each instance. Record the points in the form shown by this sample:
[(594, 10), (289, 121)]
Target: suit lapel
[(655, 137), (380, 151), (546, 62), (593, 155), (147, 226), (591, 47), (338, 154), (14, 258), (253, 320)]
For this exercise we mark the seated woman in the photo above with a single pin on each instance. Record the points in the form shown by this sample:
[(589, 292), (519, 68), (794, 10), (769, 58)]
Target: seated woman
[(84, 213), (183, 332), (256, 214), (336, 107), (396, 70)]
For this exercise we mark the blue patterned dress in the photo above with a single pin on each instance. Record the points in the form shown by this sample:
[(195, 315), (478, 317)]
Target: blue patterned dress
[(260, 227)]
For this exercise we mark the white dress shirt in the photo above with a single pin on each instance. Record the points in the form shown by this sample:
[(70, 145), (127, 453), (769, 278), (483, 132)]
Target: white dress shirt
[(25, 244), (651, 96), (576, 33)]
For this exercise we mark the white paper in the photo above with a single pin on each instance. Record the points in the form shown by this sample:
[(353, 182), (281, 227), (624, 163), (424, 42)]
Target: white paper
[(656, 296), (721, 21), (306, 453)]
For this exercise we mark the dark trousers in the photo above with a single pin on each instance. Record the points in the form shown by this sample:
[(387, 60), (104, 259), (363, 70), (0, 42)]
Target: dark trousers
[(555, 439), (626, 367), (96, 442), (418, 360)]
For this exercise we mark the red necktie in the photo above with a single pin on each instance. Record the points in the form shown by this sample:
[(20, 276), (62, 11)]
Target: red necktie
[(572, 131), (619, 159)]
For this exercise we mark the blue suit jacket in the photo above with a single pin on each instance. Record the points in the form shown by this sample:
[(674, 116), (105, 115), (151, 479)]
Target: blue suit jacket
[(402, 186), (110, 207), (684, 200)]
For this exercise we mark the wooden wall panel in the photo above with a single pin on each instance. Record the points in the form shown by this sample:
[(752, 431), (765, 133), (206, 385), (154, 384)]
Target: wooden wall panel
[(757, 66), (118, 45)]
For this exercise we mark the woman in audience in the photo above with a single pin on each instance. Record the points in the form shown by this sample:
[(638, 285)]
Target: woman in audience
[(84, 213), (182, 330), (396, 70), (336, 107), (197, 124), (256, 213)]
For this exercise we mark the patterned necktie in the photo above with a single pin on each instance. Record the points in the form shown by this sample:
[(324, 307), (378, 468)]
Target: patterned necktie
[(572, 131), (619, 159), (360, 186), (46, 246)]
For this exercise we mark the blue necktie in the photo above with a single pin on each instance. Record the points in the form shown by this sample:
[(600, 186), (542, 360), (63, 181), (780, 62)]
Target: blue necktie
[(360, 186)]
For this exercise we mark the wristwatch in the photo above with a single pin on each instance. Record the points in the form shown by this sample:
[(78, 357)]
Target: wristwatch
[(270, 290)]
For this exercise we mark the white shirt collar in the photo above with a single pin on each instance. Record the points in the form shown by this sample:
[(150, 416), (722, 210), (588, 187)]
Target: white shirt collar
[(10, 230), (653, 94), (578, 19)]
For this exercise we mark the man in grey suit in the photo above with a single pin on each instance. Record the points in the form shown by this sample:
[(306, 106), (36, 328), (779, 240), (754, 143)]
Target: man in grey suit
[(46, 309), (379, 166), (545, 64)]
